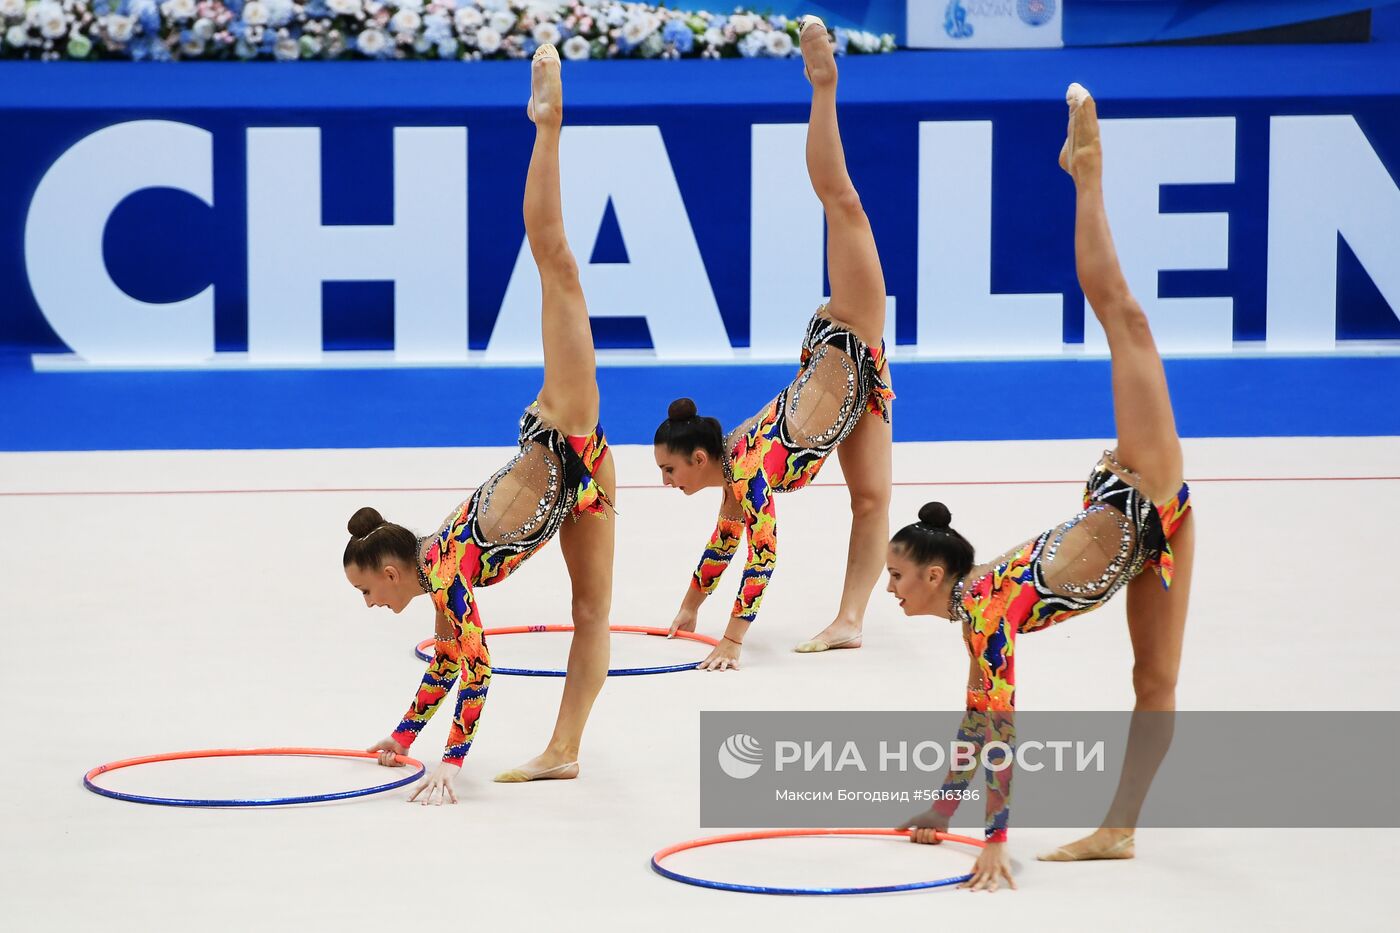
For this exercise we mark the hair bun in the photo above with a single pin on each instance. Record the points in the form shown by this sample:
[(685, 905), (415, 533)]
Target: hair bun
[(935, 515), (682, 409), (364, 521)]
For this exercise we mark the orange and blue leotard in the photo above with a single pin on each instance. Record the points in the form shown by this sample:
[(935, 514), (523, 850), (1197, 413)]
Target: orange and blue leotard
[(770, 456), (475, 548), (1026, 591)]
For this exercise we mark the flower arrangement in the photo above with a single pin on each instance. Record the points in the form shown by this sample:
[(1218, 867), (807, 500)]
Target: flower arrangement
[(466, 30)]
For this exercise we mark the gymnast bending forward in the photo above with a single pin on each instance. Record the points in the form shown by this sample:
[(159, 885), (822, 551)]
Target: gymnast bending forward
[(838, 402), (1136, 516), (561, 481)]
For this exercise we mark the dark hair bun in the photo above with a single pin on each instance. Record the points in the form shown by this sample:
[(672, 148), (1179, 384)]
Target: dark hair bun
[(935, 515), (682, 409), (364, 521)]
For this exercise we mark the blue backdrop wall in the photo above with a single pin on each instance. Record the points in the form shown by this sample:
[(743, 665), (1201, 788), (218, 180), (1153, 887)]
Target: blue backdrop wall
[(690, 211)]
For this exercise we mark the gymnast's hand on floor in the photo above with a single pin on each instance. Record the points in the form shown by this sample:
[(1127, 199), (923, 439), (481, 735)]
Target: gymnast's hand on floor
[(723, 657), (993, 866), (438, 786), (387, 749), (923, 827)]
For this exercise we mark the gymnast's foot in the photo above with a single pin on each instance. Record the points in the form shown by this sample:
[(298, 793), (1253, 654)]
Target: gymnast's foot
[(817, 53), (839, 634), (550, 766), (546, 106), (1100, 844), (1082, 154)]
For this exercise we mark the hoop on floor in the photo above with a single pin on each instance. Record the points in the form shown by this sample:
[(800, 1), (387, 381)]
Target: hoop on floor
[(423, 649), (88, 779), (657, 867)]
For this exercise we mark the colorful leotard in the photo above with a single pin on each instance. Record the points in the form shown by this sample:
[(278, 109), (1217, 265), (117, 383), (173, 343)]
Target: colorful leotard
[(1071, 569), (783, 447), (507, 519)]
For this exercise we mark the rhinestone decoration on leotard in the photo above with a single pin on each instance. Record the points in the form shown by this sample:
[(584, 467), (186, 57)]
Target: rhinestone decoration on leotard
[(1115, 566), (848, 398)]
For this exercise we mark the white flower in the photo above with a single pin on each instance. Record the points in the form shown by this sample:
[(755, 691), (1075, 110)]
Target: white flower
[(502, 22), (344, 7), (178, 10), (48, 16), (119, 28), (864, 41), (448, 48), (287, 50), (405, 21), (415, 5), (279, 12), (488, 40), (468, 17), (577, 48), (371, 42), (714, 37), (12, 9), (255, 13), (492, 4), (616, 16), (743, 23), (17, 36), (546, 33), (779, 44), (203, 28), (637, 29), (193, 48)]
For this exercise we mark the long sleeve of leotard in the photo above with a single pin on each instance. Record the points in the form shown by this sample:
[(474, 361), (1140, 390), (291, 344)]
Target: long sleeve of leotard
[(462, 655), (723, 543), (990, 718), (761, 526)]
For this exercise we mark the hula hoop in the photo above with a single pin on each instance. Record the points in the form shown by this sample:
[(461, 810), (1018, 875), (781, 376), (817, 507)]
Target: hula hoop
[(239, 752), (421, 650), (783, 833)]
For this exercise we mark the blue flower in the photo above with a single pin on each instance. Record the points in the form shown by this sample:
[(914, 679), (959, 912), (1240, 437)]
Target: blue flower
[(678, 34), (149, 15), (530, 45), (147, 48), (102, 7), (753, 45), (317, 9), (843, 39)]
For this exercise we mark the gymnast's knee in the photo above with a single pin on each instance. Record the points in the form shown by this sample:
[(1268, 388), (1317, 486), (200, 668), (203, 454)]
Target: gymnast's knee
[(1154, 686), (590, 614), (842, 201), (870, 503)]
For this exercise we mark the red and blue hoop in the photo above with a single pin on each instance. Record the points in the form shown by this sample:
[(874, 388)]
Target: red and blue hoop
[(89, 779), (661, 870), (423, 650)]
